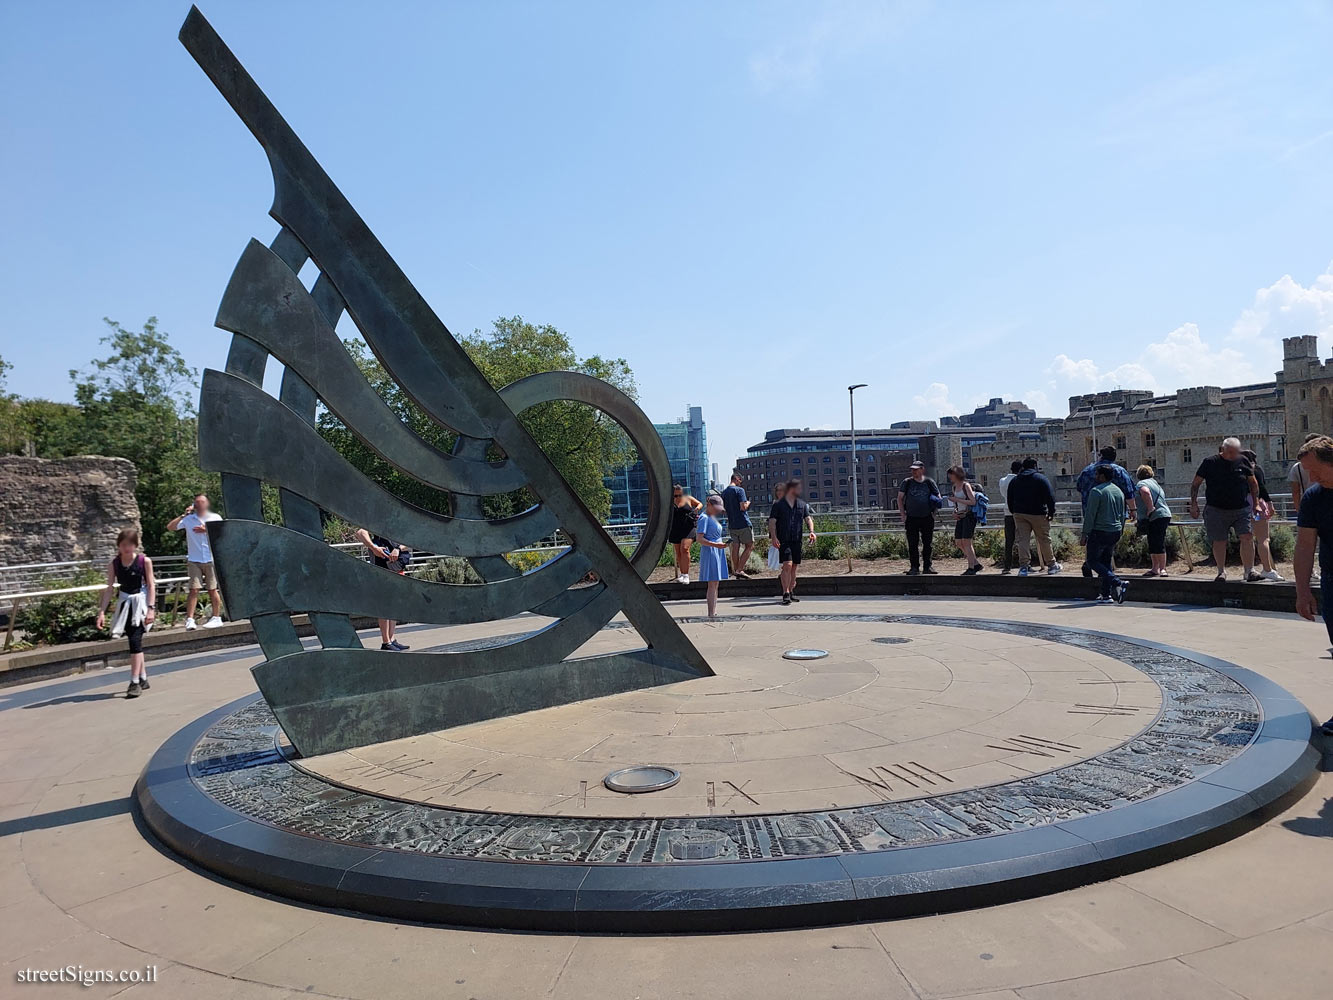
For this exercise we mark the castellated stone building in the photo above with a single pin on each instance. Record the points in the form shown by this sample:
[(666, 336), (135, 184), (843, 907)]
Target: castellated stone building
[(1174, 433)]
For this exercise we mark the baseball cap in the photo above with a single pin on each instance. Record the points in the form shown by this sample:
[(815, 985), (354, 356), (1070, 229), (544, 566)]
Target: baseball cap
[(917, 465)]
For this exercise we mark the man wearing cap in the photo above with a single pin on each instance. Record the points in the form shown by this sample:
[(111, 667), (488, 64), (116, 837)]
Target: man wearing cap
[(918, 497)]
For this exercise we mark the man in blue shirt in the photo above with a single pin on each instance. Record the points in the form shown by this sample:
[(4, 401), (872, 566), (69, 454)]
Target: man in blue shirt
[(736, 503), (1314, 524), (1087, 479)]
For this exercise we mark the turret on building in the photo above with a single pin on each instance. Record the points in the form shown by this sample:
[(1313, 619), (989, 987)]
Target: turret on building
[(1173, 433)]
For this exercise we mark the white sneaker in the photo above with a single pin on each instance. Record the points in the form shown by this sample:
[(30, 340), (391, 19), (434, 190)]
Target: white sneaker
[(1054, 568), (190, 626), (685, 578), (1273, 575), (213, 622)]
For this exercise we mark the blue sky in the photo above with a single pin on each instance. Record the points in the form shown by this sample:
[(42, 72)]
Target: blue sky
[(753, 203)]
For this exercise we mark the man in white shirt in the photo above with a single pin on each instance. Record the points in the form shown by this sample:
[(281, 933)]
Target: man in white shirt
[(199, 559)]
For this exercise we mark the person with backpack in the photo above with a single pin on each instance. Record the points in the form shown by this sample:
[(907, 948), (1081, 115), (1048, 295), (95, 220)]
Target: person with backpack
[(966, 518), (1030, 499), (135, 604), (918, 497)]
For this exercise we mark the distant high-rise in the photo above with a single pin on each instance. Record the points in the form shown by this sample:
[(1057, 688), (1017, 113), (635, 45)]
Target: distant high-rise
[(686, 444)]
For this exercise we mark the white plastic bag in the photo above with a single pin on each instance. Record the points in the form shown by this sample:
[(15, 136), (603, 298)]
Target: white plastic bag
[(774, 558)]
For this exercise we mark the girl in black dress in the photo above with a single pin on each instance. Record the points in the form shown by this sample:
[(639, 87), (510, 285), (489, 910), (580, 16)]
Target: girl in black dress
[(684, 513), (135, 605)]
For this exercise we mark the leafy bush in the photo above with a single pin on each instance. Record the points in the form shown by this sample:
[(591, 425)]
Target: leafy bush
[(454, 569), (1281, 543), (827, 547), (756, 565), (337, 531), (1064, 544), (1132, 549), (63, 617), (524, 561), (881, 547), (668, 557), (990, 545), (943, 547)]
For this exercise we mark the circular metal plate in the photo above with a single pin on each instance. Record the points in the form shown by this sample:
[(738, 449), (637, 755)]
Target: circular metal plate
[(890, 640), (805, 654), (644, 778)]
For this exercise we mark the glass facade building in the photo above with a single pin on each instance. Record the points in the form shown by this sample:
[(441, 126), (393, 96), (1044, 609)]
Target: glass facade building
[(686, 444)]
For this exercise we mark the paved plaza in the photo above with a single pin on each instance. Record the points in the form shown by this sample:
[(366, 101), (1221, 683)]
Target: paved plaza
[(1252, 917)]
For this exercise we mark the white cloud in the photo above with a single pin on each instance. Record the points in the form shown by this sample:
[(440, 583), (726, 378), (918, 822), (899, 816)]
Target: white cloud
[(841, 30), (1180, 359), (1250, 352), (1040, 401), (933, 403), (1286, 308)]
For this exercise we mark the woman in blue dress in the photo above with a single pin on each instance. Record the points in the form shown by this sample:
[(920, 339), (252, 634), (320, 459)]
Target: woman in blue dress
[(712, 550)]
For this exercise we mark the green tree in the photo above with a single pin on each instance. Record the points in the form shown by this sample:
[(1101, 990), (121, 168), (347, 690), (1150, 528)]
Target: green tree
[(137, 403), (143, 365), (582, 442), (11, 437)]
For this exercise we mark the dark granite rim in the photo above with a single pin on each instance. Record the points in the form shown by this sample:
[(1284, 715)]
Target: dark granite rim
[(332, 847)]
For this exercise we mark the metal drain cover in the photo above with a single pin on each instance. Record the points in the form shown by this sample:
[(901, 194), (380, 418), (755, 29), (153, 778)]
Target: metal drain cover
[(644, 778), (805, 654), (890, 640)]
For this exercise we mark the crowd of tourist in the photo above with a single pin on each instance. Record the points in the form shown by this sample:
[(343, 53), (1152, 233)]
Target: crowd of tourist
[(1235, 502)]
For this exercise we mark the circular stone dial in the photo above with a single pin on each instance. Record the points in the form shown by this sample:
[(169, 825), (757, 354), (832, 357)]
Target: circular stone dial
[(947, 710)]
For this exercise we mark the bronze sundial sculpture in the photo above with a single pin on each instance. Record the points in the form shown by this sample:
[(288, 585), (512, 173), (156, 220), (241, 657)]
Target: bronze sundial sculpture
[(342, 694)]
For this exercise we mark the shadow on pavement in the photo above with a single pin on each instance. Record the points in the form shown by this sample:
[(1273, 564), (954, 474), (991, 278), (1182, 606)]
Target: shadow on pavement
[(65, 817), (71, 699)]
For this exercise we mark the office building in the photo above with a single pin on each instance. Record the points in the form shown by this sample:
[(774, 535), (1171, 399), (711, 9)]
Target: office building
[(686, 444), (822, 458)]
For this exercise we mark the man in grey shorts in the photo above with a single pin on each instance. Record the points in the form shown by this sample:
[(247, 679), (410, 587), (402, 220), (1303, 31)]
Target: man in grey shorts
[(737, 506), (1233, 497), (199, 560)]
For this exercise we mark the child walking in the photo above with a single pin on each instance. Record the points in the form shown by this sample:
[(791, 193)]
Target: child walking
[(712, 550), (135, 608)]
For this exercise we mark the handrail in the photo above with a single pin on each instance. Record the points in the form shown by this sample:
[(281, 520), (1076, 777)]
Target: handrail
[(872, 521)]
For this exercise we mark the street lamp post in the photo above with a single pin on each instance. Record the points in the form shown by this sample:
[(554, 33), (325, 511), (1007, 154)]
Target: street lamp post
[(856, 499)]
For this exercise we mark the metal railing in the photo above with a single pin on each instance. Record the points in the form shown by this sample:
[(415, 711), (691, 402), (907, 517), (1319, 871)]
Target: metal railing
[(876, 521)]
